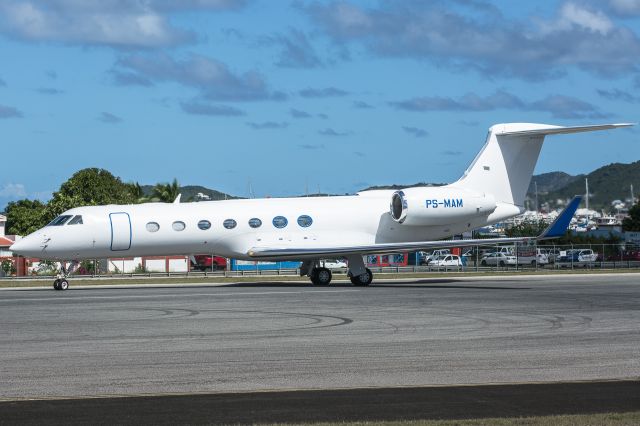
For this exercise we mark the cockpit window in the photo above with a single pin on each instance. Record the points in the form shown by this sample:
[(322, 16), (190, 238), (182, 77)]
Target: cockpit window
[(60, 220), (77, 220)]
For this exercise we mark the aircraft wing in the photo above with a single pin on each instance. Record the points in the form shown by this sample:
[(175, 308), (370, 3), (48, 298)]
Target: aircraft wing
[(554, 230), (557, 130)]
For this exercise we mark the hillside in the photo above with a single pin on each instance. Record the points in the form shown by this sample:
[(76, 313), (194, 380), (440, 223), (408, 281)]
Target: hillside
[(552, 181), (189, 192), (606, 184), (396, 186)]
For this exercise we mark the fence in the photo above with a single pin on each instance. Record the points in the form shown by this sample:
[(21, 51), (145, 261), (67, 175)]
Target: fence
[(476, 259)]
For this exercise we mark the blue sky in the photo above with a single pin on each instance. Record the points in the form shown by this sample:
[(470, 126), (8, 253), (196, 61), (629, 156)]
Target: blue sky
[(290, 95)]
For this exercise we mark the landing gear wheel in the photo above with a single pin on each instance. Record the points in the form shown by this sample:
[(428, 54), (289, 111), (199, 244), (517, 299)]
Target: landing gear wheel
[(56, 285), (63, 284), (321, 276), (363, 279)]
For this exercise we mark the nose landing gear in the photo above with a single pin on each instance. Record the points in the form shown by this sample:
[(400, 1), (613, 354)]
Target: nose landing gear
[(61, 282)]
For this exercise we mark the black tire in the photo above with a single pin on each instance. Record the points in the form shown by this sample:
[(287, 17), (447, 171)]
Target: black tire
[(63, 285), (362, 280), (483, 263), (502, 263), (533, 263), (56, 284), (321, 276)]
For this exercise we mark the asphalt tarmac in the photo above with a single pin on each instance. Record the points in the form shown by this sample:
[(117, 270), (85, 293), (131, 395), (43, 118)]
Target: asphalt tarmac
[(187, 340)]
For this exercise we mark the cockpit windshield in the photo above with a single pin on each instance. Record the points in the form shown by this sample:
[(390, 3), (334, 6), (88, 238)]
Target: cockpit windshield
[(60, 220), (77, 220)]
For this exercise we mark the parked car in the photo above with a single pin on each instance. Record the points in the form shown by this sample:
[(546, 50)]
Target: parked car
[(529, 255), (447, 260), (426, 259), (502, 249), (579, 255), (333, 263), (553, 255), (629, 255), (498, 259), (205, 262)]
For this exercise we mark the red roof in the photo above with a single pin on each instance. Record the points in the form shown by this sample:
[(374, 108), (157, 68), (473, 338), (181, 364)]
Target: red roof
[(5, 242)]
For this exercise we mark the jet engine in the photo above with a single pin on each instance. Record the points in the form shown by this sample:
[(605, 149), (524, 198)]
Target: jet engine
[(439, 206)]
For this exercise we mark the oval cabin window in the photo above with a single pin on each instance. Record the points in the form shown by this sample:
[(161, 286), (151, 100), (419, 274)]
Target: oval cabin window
[(153, 227), (255, 222), (229, 224), (204, 225), (178, 225), (280, 221), (305, 221)]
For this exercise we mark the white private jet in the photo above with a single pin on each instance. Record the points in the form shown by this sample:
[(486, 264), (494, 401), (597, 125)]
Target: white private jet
[(491, 190)]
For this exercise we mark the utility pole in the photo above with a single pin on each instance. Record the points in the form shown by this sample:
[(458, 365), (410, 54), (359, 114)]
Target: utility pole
[(586, 184), (537, 205), (250, 190)]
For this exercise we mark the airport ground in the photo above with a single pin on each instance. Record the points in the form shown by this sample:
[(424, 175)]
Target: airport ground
[(449, 347)]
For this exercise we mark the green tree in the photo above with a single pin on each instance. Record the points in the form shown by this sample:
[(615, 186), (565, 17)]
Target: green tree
[(632, 223), (166, 192), (137, 192), (90, 187), (527, 229), (26, 216)]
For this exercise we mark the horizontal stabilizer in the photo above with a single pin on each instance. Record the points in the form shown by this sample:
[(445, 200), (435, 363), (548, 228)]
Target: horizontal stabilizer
[(556, 130)]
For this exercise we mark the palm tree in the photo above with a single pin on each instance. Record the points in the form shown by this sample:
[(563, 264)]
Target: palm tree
[(137, 192), (166, 192)]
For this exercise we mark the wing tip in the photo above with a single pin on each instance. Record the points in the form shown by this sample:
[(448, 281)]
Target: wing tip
[(560, 225)]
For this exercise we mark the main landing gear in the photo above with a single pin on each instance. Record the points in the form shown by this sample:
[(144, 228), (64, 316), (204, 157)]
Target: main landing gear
[(362, 280), (321, 276), (358, 274), (61, 282)]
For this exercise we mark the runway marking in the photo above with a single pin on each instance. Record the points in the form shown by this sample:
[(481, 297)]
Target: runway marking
[(146, 296)]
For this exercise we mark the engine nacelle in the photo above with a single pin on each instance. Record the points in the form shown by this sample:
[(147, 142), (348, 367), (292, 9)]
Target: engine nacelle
[(439, 206)]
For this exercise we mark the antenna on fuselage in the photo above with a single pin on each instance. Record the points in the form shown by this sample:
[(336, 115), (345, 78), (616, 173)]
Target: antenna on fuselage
[(177, 200)]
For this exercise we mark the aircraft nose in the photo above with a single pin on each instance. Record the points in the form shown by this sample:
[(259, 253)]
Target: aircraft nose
[(25, 246)]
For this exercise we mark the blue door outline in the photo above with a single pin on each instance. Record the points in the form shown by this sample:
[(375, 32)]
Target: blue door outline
[(121, 232)]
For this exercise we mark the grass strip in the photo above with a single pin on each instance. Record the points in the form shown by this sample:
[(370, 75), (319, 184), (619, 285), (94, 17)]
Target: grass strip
[(602, 419)]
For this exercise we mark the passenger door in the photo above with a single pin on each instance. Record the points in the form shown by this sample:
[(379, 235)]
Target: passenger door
[(120, 231)]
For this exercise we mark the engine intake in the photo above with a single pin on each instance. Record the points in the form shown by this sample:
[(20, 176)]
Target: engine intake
[(438, 206)]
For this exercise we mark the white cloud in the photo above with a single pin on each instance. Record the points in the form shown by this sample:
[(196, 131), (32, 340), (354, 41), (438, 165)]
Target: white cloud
[(626, 7), (573, 14), (213, 77), (463, 35), (115, 23), (13, 190)]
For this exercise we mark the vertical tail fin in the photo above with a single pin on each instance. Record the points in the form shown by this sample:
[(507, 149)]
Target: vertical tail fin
[(506, 162)]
